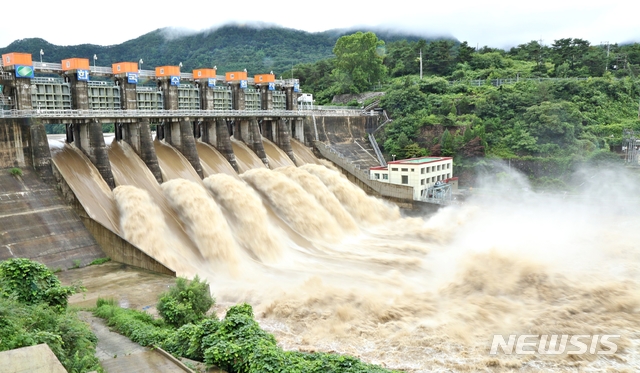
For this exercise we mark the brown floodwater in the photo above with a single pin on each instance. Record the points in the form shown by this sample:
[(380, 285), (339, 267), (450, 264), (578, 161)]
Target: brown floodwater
[(213, 162), (329, 268), (277, 157)]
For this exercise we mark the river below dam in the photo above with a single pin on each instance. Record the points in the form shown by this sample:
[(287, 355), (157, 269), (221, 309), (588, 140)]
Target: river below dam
[(328, 268)]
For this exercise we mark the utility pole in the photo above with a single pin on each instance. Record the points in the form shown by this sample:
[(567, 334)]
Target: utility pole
[(606, 67), (420, 63)]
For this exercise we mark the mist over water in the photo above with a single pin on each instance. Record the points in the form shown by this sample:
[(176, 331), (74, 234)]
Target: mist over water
[(328, 268)]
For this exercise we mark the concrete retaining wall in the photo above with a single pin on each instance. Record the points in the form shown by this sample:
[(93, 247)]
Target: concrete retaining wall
[(35, 223), (120, 250), (114, 246)]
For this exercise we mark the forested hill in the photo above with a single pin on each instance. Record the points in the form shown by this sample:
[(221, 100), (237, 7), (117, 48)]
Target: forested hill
[(229, 48)]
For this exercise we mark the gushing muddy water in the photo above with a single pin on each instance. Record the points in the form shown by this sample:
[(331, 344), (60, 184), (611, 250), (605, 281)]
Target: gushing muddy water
[(328, 268)]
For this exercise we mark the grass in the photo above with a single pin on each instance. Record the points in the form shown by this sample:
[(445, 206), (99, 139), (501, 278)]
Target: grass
[(99, 261), (15, 171)]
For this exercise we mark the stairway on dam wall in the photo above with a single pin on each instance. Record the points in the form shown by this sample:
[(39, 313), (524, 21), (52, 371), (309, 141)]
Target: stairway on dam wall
[(36, 223), (359, 152), (348, 137)]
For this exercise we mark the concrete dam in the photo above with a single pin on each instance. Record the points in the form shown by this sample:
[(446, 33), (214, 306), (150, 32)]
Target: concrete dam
[(241, 198), (207, 125)]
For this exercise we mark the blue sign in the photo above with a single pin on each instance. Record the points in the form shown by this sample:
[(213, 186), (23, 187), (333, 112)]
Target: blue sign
[(243, 84), (211, 82), (296, 87), (83, 75), (24, 71), (175, 80), (132, 78), (272, 86)]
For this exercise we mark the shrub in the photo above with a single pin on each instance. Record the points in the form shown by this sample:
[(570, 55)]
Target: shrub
[(236, 343), (33, 311), (139, 326), (604, 157), (186, 302), (70, 339), (15, 171), (105, 301), (31, 283)]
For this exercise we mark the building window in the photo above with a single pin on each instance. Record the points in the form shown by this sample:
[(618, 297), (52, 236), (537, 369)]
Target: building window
[(448, 166), (438, 169), (404, 169), (449, 176), (394, 169), (405, 179), (377, 176), (412, 170), (433, 179), (422, 182), (422, 170), (385, 176)]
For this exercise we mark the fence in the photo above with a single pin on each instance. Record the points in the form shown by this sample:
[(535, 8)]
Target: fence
[(499, 82)]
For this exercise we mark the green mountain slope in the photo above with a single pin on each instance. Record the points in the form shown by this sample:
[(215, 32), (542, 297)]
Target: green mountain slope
[(229, 48)]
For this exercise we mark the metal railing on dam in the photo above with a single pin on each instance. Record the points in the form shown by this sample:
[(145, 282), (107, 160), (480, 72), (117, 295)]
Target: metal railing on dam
[(56, 68), (159, 114)]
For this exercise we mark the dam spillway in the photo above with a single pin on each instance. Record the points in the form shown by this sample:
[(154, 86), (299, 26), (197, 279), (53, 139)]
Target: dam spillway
[(328, 268), (353, 275)]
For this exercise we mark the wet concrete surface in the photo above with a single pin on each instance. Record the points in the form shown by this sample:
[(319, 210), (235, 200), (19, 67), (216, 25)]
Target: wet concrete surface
[(131, 287), (117, 354)]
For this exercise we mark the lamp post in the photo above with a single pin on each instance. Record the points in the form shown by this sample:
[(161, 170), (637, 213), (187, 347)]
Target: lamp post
[(41, 54), (141, 62), (95, 57), (394, 156)]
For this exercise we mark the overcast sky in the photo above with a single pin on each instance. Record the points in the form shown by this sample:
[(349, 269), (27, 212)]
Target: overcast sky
[(500, 24)]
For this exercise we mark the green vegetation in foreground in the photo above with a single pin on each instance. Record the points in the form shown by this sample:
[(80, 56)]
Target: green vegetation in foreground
[(33, 310), (15, 171), (236, 343)]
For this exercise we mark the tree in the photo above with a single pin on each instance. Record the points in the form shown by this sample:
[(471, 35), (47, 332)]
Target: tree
[(404, 99), (358, 62), (532, 51), (553, 122), (446, 144), (570, 51), (186, 302), (464, 52), (439, 57), (414, 150)]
